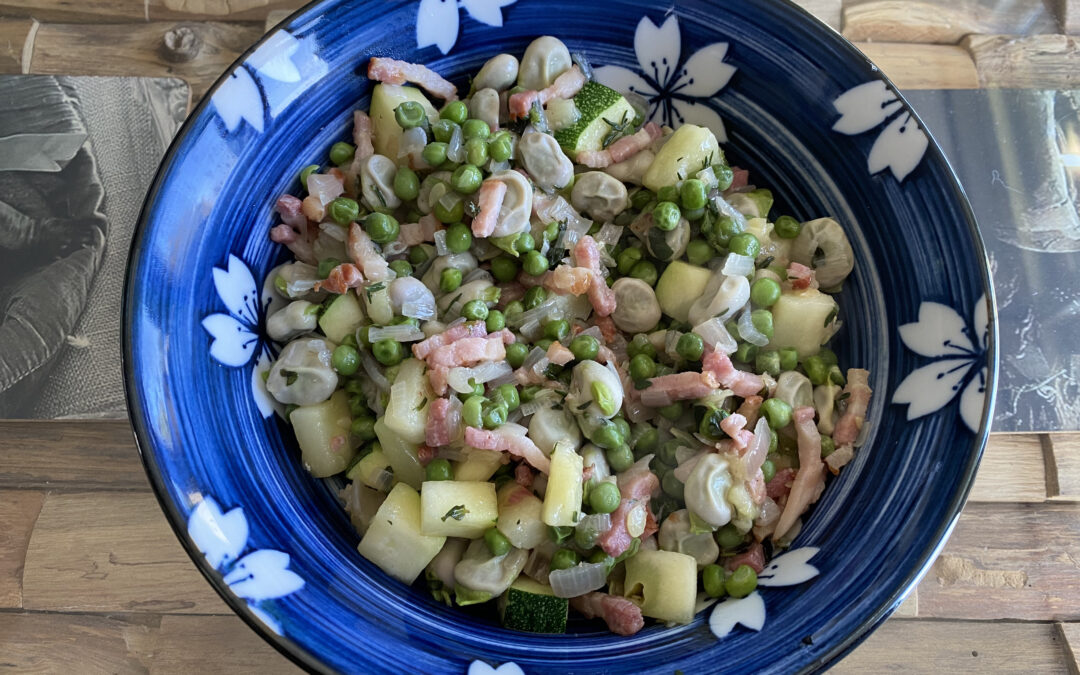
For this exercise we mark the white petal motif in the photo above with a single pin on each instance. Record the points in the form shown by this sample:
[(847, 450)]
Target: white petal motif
[(864, 107), (930, 388), (790, 568), (658, 49), (272, 58), (486, 11), (263, 575), (437, 24), (266, 403), (900, 147), (749, 611), (219, 536), (233, 343), (705, 73), (981, 321), (699, 114), (238, 99), (940, 331), (972, 400), (271, 623), (236, 288), (481, 668), (623, 80)]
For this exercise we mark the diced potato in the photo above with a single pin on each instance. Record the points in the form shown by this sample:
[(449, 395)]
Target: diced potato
[(377, 303), (407, 411), (322, 430), (457, 508), (369, 467), (771, 244), (342, 317), (663, 584), (384, 99), (562, 500), (679, 286), (689, 149), (800, 321), (478, 465), (394, 541), (519, 516), (401, 454)]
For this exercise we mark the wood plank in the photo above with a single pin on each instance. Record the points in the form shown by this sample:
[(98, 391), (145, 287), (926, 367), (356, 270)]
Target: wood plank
[(943, 21), (225, 641), (84, 455), (906, 646), (909, 608), (1064, 451), (1070, 633), (114, 11), (137, 50), (1068, 15), (18, 513), (1012, 470), (1008, 561), (915, 66), (826, 11), (1036, 62), (111, 552), (16, 44), (61, 643)]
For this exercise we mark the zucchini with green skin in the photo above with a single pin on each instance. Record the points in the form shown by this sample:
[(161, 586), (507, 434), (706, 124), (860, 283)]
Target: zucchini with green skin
[(531, 606), (599, 108)]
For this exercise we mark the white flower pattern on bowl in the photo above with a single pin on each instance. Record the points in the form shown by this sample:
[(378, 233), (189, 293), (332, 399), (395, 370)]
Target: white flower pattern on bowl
[(676, 90), (901, 144), (437, 20)]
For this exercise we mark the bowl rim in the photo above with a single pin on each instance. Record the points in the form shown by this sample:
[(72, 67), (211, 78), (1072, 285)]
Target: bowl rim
[(305, 659)]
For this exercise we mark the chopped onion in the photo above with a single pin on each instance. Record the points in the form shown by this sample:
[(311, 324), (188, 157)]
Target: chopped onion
[(395, 247), (748, 332), (727, 209), (530, 408), (455, 147), (578, 580), (459, 377), (440, 243), (454, 453), (684, 437), (768, 513), (538, 565), (683, 471), (495, 167), (485, 250), (593, 331), (475, 274), (400, 333), (683, 453), (449, 200), (558, 210), (671, 343), (609, 234), (334, 231), (567, 240), (708, 176), (383, 480), (506, 378), (738, 265), (417, 310), (374, 373), (716, 335), (515, 416), (636, 410), (755, 453), (592, 526), (324, 187), (412, 142)]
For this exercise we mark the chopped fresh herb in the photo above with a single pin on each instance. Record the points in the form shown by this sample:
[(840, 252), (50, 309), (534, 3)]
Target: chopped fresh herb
[(454, 301), (843, 397), (457, 513), (538, 118), (582, 62), (767, 261), (584, 405), (374, 288), (379, 194), (290, 376), (618, 130), (472, 209), (642, 384), (557, 406), (829, 319)]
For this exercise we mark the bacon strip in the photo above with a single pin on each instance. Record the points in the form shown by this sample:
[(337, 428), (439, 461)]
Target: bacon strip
[(734, 426), (739, 382), (666, 389), (568, 280), (393, 71), (750, 408), (510, 438), (468, 351), (636, 488), (289, 208), (362, 136), (809, 480), (300, 247), (587, 255), (413, 234), (780, 485), (754, 557), (523, 476), (441, 421), (490, 201), (622, 149), (621, 616), (363, 252), (851, 421), (566, 85), (456, 332), (559, 354), (801, 277), (341, 278)]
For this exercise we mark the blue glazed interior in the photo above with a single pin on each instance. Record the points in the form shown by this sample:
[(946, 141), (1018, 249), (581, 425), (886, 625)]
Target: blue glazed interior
[(200, 433)]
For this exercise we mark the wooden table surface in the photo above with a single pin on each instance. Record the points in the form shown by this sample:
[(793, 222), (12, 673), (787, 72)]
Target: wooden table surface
[(93, 580)]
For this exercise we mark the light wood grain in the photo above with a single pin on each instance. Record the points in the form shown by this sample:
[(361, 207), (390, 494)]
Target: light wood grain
[(1065, 455), (116, 11), (58, 643), (89, 455), (906, 646), (135, 49), (225, 641), (943, 21), (1070, 633), (1008, 561), (275, 17), (16, 44), (111, 552), (1036, 62), (909, 608), (916, 66), (1012, 470), (1068, 15), (826, 11), (18, 513)]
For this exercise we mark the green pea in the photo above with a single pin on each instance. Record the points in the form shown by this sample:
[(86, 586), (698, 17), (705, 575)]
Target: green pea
[(727, 227), (777, 412), (557, 329), (504, 268), (363, 427), (746, 353), (642, 367), (828, 446), (343, 210), (729, 537), (443, 130), (355, 390), (789, 358), (690, 346), (458, 238), (466, 179), (387, 352), (476, 151), (439, 469), (646, 271), (530, 392), (382, 228), (666, 216), (667, 452), (341, 153), (668, 193), (835, 376), (513, 309), (639, 344), (604, 497), (787, 227), (307, 171), (477, 387), (326, 266), (672, 486), (535, 296), (608, 436), (828, 356), (452, 214), (724, 176), (516, 353), (496, 542), (501, 147), (494, 415), (627, 259), (742, 582), (345, 360), (472, 411), (698, 252), (455, 111), (362, 336), (816, 370), (508, 393), (495, 321), (406, 184), (710, 423), (434, 153), (564, 558), (584, 347), (534, 263), (410, 114), (474, 128), (544, 343), (525, 243), (763, 322), (746, 244), (620, 457), (475, 310), (673, 411), (401, 268), (712, 579), (765, 292), (418, 255), (768, 469), (768, 361), (449, 279), (693, 194)]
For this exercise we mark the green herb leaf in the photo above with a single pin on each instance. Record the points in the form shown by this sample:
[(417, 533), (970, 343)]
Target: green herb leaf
[(457, 512)]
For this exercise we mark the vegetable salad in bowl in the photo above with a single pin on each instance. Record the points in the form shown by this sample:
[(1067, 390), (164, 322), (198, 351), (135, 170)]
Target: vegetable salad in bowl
[(564, 357)]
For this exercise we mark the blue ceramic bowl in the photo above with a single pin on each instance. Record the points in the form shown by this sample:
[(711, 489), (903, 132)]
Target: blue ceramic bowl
[(801, 108)]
